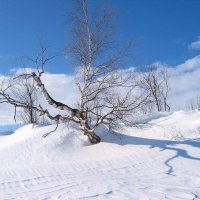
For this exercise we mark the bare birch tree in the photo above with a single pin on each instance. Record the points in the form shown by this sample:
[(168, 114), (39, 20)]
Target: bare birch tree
[(26, 91), (156, 82), (165, 89), (107, 95)]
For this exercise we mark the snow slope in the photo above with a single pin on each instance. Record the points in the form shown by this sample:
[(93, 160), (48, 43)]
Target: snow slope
[(161, 160)]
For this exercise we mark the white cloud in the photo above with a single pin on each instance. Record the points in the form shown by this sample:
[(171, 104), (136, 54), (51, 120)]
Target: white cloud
[(195, 45), (184, 82), (19, 71)]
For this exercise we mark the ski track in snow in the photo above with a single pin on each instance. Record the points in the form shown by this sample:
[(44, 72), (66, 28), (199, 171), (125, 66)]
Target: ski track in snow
[(101, 181), (131, 167)]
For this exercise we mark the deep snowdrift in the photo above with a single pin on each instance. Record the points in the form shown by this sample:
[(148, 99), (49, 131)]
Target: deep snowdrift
[(161, 160)]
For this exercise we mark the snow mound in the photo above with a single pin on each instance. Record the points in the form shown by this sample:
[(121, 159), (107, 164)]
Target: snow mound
[(27, 144), (180, 125), (159, 160)]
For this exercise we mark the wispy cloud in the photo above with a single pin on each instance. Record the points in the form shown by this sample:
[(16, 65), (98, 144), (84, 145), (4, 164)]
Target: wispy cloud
[(195, 45)]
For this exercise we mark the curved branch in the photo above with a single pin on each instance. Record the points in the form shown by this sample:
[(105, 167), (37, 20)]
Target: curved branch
[(51, 101)]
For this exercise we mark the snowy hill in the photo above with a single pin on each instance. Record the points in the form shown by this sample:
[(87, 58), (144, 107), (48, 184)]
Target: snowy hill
[(161, 160)]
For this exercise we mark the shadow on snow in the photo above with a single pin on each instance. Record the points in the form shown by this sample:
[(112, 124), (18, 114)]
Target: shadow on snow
[(163, 145)]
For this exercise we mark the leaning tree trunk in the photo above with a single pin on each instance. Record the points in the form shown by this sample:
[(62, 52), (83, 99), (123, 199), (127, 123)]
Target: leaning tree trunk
[(94, 139), (90, 133)]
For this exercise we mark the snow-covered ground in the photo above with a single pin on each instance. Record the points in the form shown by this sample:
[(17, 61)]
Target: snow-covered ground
[(159, 161)]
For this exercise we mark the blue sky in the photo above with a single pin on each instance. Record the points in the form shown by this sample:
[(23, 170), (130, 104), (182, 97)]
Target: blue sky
[(163, 30)]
